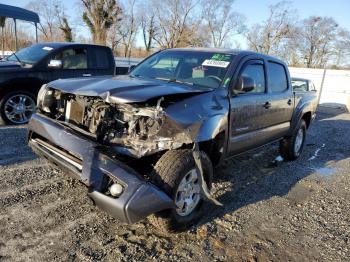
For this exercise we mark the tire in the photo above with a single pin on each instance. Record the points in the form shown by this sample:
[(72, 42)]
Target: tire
[(26, 107), (169, 172), (292, 147)]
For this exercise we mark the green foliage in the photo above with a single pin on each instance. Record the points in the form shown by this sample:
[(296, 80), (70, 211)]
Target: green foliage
[(67, 30), (99, 16)]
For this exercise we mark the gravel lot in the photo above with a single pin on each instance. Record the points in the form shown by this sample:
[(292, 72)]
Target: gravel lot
[(297, 211)]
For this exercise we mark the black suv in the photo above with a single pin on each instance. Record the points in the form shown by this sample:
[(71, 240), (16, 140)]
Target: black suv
[(23, 73)]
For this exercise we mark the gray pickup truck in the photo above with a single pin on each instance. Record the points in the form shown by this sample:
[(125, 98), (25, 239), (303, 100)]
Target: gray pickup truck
[(145, 144)]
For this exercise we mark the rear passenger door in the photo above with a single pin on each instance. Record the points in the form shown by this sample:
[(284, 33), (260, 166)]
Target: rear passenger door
[(281, 98)]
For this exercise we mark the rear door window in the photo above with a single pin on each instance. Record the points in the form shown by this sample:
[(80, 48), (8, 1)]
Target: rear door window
[(277, 77), (299, 85)]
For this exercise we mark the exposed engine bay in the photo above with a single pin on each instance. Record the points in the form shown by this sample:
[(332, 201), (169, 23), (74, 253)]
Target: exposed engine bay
[(132, 129)]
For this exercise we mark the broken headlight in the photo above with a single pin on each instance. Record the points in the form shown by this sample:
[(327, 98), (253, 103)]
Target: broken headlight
[(45, 99)]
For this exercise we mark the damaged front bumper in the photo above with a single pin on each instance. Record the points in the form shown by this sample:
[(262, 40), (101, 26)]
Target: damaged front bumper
[(86, 161)]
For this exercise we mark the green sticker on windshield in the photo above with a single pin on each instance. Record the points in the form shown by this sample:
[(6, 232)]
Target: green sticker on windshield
[(221, 57)]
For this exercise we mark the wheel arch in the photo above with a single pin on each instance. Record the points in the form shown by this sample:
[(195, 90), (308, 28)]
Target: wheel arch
[(28, 84), (214, 148)]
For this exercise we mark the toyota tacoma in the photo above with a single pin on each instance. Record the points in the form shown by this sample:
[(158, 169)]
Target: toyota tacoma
[(145, 144)]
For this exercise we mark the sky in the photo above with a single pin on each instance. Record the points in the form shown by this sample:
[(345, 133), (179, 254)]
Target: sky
[(255, 11)]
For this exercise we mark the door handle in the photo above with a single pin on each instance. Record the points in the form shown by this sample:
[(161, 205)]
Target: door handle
[(289, 102), (267, 105), (86, 74)]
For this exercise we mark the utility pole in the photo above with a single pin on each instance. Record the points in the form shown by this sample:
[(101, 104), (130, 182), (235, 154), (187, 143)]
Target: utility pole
[(322, 82)]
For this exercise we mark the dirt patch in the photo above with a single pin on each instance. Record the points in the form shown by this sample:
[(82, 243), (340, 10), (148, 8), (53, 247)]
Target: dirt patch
[(297, 211)]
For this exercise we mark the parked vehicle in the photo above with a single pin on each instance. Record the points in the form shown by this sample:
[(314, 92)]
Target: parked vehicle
[(124, 65), (146, 143), (303, 85), (23, 73)]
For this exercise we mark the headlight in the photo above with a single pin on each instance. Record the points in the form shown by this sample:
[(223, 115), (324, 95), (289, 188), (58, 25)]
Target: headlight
[(42, 92), (44, 100)]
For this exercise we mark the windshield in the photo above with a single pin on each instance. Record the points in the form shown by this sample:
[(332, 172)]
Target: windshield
[(30, 55), (205, 69)]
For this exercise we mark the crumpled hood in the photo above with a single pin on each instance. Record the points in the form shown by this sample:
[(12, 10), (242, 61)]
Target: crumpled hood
[(122, 89)]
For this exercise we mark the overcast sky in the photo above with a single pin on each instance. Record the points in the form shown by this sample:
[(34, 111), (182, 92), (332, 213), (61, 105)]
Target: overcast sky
[(255, 11)]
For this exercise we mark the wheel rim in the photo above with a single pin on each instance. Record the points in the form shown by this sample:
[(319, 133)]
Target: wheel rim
[(299, 141), (188, 193), (19, 108)]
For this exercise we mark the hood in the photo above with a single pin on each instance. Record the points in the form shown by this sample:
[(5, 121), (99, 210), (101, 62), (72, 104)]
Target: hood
[(123, 89), (9, 64)]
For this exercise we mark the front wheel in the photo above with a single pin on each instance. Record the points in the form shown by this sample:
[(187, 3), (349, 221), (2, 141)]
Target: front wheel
[(17, 107), (291, 147), (176, 173)]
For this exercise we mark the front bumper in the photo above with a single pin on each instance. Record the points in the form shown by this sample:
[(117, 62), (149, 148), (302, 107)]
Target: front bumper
[(85, 160)]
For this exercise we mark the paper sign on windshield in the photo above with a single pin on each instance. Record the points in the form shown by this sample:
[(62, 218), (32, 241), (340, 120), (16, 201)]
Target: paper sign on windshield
[(210, 62), (47, 48)]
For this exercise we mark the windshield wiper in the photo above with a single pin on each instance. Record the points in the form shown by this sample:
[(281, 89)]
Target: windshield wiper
[(174, 80), (19, 61)]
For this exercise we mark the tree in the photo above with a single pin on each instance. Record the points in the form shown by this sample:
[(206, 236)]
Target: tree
[(128, 28), (269, 35), (2, 25), (317, 38), (47, 10), (342, 47), (174, 20), (54, 25), (148, 27), (221, 20), (66, 29), (99, 16)]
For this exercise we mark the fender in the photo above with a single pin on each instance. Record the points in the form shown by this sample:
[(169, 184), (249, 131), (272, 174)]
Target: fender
[(208, 111), (305, 105)]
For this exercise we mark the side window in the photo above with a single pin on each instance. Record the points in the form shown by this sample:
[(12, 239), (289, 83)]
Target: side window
[(299, 85), (101, 58), (75, 58), (277, 77), (256, 73)]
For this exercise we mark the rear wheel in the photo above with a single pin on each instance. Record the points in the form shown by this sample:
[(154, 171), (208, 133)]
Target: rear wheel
[(176, 173), (17, 107), (291, 147)]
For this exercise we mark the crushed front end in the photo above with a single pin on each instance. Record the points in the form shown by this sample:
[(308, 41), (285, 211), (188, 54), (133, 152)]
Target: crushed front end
[(97, 138), (92, 140)]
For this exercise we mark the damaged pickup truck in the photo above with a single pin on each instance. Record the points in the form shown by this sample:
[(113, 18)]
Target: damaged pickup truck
[(145, 144)]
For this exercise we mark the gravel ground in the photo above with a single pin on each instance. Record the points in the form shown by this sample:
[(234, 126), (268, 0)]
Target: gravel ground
[(298, 211)]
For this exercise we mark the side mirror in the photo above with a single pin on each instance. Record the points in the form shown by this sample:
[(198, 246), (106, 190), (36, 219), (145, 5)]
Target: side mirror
[(245, 84), (55, 64)]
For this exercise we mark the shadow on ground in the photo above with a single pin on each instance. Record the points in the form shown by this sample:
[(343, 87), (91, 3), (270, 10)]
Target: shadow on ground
[(256, 176)]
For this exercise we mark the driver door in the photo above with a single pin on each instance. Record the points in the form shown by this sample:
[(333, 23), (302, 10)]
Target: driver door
[(74, 63), (250, 111)]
